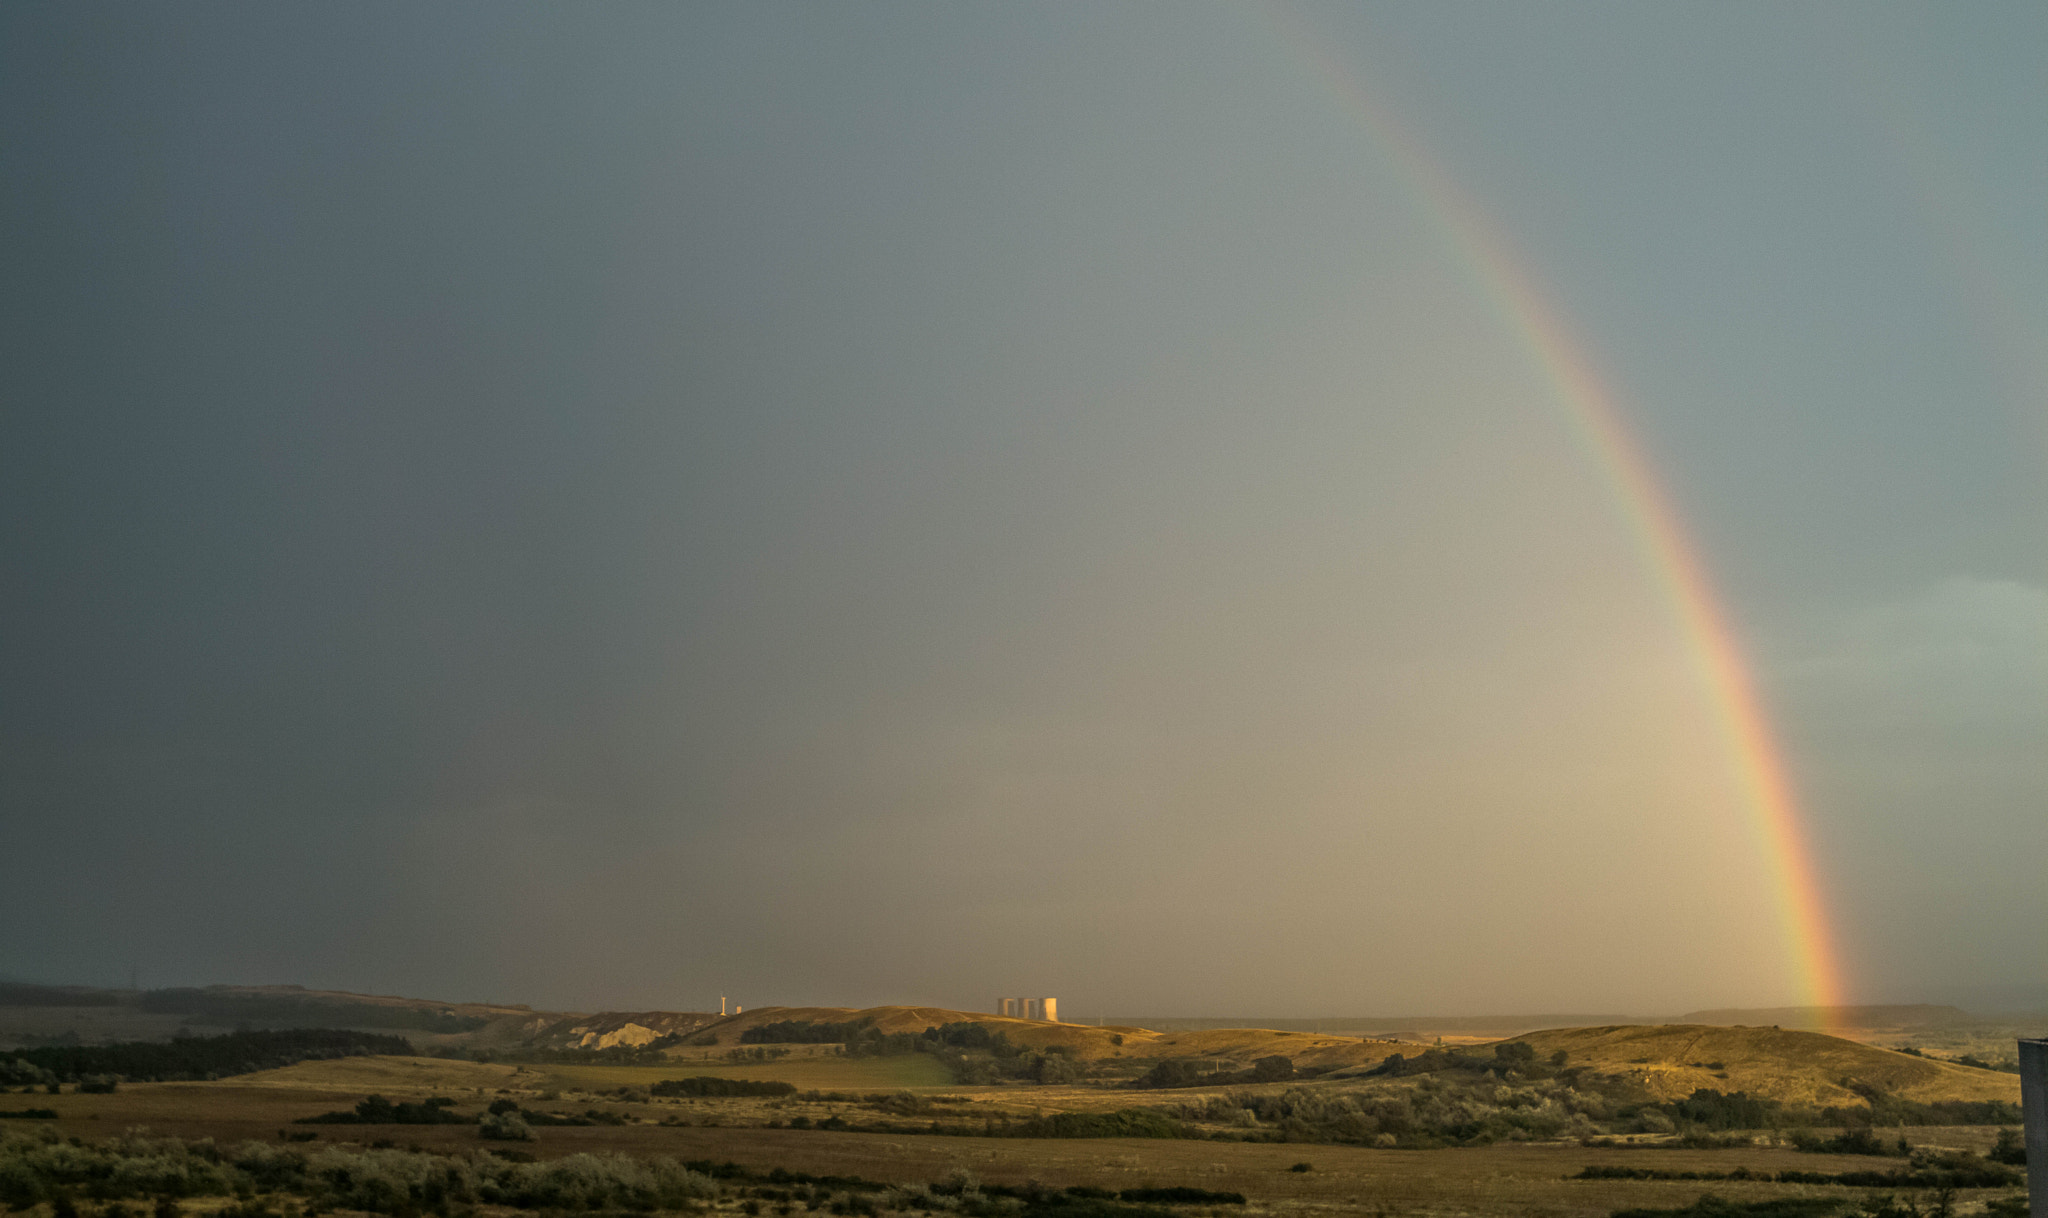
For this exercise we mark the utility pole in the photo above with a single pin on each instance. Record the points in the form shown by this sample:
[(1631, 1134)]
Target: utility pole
[(2034, 1104)]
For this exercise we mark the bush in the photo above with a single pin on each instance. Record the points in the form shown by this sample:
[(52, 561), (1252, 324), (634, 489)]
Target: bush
[(505, 1127), (1181, 1195), (376, 1110), (2009, 1149), (709, 1085), (1126, 1123)]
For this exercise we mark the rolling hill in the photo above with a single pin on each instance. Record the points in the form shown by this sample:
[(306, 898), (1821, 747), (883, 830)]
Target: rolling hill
[(1671, 1061)]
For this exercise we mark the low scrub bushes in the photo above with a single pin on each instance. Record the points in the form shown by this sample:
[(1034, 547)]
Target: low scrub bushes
[(1127, 1123), (706, 1085), (376, 1110), (195, 1057), (1943, 1171), (1711, 1206), (336, 1177)]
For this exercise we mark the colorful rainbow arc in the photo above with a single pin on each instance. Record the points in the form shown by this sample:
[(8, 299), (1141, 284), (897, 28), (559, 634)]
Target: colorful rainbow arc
[(1672, 559)]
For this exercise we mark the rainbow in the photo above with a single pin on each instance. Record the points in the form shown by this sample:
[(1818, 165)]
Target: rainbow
[(1674, 562)]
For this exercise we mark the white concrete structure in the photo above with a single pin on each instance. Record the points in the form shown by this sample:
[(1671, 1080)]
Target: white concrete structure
[(2034, 1105)]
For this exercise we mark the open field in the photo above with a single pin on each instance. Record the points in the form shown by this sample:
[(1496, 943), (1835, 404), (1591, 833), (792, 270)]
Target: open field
[(1483, 1181)]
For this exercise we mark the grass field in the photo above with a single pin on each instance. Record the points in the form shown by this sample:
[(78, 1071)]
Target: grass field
[(1487, 1182)]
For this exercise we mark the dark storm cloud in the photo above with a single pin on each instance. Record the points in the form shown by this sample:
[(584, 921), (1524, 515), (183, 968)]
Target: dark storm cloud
[(608, 506)]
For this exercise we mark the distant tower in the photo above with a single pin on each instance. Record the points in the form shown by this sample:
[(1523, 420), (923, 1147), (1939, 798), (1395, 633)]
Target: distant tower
[(1047, 1009), (721, 1006)]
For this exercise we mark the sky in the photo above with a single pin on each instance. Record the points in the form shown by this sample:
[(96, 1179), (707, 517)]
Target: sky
[(607, 507)]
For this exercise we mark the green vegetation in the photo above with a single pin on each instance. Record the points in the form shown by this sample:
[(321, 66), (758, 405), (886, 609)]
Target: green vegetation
[(412, 1183), (376, 1110), (196, 1057), (1949, 1171), (2010, 1149), (1878, 1206), (1124, 1123), (34, 1170), (1174, 1072), (705, 1085), (1888, 1109)]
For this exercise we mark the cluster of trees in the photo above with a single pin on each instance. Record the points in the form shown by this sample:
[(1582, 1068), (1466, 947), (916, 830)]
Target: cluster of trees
[(287, 1011), (376, 1110), (21, 1072), (706, 1085), (1887, 1109), (2009, 1149), (200, 1057), (1511, 1058), (1176, 1072), (755, 1053)]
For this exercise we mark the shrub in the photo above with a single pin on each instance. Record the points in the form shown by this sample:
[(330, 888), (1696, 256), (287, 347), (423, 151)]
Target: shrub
[(709, 1085), (376, 1110), (1126, 1123), (505, 1127), (2009, 1149)]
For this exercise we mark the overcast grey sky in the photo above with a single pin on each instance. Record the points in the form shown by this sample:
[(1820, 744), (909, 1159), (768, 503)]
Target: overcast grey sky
[(612, 505)]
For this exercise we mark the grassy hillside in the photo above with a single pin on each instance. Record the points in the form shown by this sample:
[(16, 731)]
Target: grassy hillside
[(1796, 1067), (1085, 1042)]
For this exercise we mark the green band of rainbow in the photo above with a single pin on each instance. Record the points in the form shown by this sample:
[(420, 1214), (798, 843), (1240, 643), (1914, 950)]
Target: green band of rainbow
[(1673, 561)]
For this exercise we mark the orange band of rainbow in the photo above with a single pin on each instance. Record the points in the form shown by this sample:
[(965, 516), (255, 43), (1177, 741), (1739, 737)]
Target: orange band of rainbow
[(1672, 559)]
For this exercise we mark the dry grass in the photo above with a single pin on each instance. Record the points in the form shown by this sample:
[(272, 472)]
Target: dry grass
[(1486, 1182), (1489, 1182), (1796, 1067)]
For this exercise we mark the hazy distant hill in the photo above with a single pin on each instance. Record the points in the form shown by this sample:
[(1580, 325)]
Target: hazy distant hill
[(36, 1014), (1910, 1015), (1394, 1027)]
